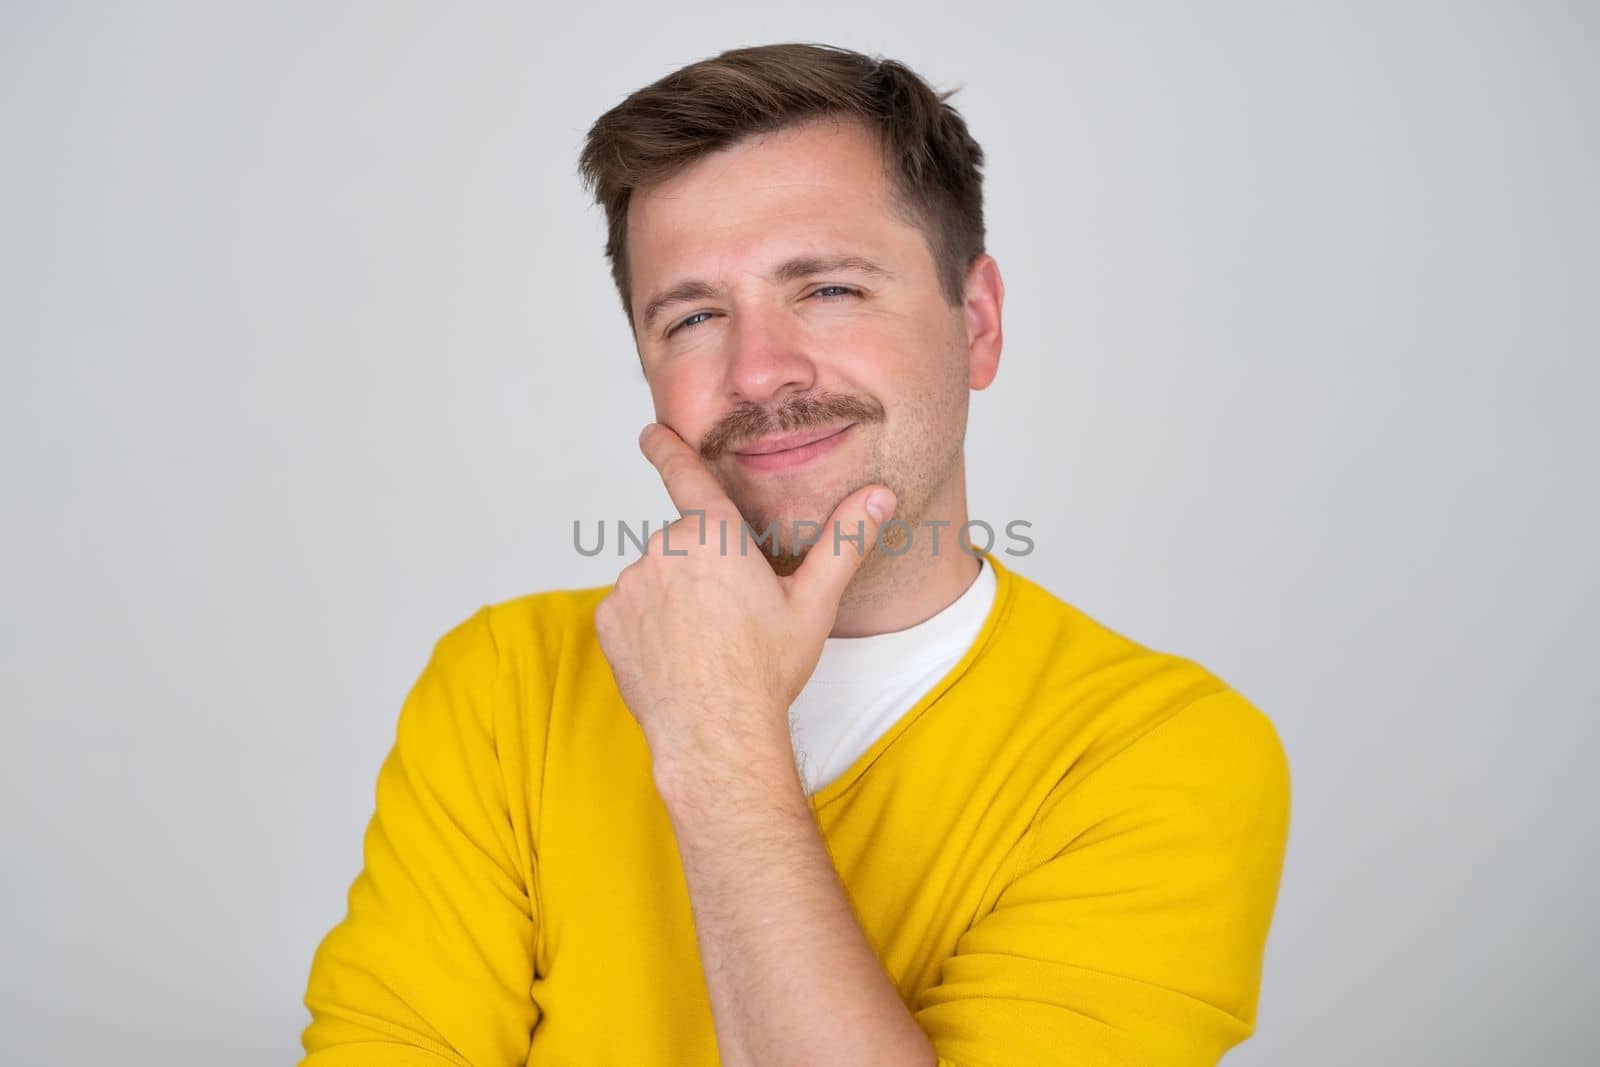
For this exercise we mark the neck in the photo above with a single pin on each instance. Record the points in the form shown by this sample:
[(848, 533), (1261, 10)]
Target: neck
[(893, 593)]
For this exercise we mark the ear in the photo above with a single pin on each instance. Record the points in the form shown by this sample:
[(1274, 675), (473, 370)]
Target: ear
[(985, 294)]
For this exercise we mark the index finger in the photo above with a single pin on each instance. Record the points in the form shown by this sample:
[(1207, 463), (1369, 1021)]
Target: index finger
[(689, 482)]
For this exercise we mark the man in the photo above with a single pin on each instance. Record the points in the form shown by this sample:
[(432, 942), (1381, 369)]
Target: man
[(864, 798)]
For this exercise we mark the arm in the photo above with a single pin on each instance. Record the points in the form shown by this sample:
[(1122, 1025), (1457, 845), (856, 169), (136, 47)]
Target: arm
[(432, 964), (709, 649), (791, 976), (1133, 937)]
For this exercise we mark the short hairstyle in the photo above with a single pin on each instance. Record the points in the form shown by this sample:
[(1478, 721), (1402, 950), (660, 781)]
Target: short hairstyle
[(933, 164)]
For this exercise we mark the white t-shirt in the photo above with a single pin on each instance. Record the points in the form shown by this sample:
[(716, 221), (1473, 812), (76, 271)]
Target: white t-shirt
[(863, 685)]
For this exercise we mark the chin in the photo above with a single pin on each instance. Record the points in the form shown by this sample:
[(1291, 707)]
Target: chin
[(759, 519)]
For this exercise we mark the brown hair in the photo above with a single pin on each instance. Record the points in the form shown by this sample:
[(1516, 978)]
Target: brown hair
[(934, 166)]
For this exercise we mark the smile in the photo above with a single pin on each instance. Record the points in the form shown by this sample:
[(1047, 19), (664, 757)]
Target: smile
[(782, 453)]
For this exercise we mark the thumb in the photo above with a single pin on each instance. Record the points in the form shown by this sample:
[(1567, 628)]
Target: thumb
[(849, 535)]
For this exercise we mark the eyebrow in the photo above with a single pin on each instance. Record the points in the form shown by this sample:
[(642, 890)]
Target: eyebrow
[(791, 270)]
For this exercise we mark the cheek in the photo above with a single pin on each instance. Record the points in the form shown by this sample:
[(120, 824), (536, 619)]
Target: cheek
[(684, 401), (923, 387), (910, 369)]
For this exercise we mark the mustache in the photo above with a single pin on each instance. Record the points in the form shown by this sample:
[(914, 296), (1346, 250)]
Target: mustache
[(749, 421)]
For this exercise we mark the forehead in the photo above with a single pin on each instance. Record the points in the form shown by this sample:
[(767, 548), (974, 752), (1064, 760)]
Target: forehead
[(783, 192)]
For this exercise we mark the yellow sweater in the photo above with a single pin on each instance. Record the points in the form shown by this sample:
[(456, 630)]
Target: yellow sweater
[(1068, 852)]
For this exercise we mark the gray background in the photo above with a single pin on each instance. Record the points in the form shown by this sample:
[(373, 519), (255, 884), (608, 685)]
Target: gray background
[(309, 350)]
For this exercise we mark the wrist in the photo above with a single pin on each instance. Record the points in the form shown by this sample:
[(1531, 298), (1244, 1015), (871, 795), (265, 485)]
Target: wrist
[(726, 778)]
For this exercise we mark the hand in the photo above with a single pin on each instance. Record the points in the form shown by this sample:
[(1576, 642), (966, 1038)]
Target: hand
[(709, 647)]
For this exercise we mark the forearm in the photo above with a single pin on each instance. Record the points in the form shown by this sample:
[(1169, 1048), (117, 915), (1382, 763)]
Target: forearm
[(791, 976)]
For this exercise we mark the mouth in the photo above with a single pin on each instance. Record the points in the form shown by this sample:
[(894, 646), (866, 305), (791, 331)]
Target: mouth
[(791, 450)]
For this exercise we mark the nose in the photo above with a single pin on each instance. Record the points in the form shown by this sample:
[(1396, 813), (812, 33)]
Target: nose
[(766, 357)]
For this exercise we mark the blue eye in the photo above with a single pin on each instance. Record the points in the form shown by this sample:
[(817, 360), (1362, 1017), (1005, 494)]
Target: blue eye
[(700, 316)]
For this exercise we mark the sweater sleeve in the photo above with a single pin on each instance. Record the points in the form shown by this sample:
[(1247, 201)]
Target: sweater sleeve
[(1134, 932), (433, 962)]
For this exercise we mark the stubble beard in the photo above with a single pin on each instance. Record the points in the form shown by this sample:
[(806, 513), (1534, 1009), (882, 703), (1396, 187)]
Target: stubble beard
[(780, 552)]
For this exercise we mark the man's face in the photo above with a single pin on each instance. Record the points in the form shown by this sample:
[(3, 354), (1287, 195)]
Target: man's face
[(874, 361)]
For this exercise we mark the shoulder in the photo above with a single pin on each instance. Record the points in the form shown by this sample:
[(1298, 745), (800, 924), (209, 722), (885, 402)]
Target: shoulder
[(518, 639), (544, 623), (1210, 778), (1222, 750), (494, 677), (1084, 676), (1128, 716)]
